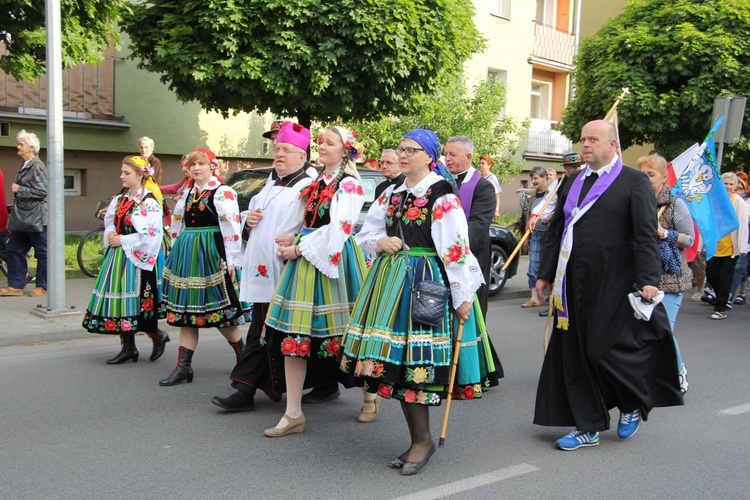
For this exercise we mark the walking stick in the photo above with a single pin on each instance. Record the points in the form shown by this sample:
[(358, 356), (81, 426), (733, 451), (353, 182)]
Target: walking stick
[(460, 332)]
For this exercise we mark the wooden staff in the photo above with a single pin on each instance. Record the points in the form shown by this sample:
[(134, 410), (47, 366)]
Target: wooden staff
[(454, 365)]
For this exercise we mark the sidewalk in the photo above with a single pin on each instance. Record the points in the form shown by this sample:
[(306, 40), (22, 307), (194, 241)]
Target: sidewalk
[(20, 326)]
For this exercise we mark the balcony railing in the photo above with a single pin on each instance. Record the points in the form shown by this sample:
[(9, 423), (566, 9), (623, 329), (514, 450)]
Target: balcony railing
[(553, 44), (544, 140), (88, 92)]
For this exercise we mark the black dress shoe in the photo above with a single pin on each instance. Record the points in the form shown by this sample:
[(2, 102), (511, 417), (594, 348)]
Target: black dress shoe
[(239, 401), (542, 314), (411, 468), (322, 394)]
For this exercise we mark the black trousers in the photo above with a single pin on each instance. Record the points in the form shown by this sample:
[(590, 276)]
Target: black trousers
[(719, 271)]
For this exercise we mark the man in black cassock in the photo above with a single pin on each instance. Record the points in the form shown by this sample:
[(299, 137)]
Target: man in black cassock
[(478, 199), (600, 356)]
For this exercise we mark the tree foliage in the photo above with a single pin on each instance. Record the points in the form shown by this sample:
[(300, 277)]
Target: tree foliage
[(87, 28), (304, 58), (676, 56), (453, 110)]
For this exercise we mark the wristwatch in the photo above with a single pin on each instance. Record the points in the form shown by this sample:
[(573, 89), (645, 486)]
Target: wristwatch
[(664, 236)]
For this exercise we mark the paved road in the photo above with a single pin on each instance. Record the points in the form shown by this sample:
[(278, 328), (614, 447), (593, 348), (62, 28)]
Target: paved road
[(73, 427)]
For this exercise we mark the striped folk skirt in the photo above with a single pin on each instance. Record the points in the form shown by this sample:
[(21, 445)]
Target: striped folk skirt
[(126, 298), (309, 312), (386, 352), (198, 292)]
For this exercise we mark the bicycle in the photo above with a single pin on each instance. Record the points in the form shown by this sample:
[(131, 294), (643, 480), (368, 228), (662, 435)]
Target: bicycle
[(91, 248)]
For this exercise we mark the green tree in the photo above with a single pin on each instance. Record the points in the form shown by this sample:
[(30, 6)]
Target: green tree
[(87, 28), (676, 56), (454, 110), (312, 59)]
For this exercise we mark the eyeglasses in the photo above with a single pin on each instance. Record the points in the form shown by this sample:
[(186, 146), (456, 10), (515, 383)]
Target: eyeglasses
[(386, 163), (407, 151), (285, 151)]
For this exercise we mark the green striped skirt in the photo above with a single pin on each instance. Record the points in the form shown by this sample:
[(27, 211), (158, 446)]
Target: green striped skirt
[(309, 312), (386, 352), (126, 298), (198, 291)]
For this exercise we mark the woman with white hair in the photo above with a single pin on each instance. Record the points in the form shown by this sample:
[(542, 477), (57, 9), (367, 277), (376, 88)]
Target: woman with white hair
[(28, 223), (146, 147)]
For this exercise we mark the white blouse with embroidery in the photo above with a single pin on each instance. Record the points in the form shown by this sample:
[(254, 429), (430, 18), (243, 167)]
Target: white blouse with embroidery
[(450, 234), (322, 248), (225, 203), (141, 247)]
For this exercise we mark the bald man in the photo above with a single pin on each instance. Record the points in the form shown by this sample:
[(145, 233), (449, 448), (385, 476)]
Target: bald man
[(602, 244)]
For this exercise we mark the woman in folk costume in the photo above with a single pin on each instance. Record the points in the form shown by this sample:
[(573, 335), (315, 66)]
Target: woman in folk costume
[(309, 311), (200, 270), (384, 349), (126, 297)]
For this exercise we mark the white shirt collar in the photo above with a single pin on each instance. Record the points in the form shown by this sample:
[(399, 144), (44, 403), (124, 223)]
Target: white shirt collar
[(604, 170), (421, 188)]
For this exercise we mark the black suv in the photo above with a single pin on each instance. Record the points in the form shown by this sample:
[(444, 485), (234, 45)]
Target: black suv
[(249, 182)]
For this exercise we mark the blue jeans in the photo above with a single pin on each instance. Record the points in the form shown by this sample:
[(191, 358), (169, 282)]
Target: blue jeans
[(672, 302), (18, 246), (535, 255), (740, 274)]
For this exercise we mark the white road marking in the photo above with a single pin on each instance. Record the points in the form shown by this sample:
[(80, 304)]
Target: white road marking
[(470, 483), (736, 410)]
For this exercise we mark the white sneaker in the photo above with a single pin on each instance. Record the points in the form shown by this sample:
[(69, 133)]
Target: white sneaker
[(696, 297)]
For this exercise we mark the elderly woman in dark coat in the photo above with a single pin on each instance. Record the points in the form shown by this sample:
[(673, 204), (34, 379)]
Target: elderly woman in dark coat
[(28, 225)]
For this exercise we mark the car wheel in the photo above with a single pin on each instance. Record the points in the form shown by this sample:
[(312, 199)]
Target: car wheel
[(498, 275)]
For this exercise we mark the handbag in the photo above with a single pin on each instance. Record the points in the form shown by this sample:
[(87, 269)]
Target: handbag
[(428, 298), (669, 253), (28, 219)]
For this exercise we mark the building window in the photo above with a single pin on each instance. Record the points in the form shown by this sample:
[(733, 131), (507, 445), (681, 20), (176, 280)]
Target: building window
[(265, 148), (545, 12), (500, 8), (540, 100), (72, 182), (498, 76)]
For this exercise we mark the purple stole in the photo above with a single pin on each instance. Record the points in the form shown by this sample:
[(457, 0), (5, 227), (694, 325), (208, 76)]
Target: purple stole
[(574, 211), (466, 192)]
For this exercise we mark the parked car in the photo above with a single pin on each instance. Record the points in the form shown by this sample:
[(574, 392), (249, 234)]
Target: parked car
[(247, 183)]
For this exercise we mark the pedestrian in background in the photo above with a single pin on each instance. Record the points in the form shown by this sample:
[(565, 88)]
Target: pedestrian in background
[(28, 221), (146, 147), (676, 233)]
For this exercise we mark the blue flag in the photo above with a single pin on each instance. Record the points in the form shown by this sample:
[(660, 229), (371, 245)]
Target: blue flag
[(702, 189)]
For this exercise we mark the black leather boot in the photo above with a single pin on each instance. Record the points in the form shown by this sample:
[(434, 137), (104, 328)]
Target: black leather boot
[(182, 371), (160, 339), (128, 351), (238, 347)]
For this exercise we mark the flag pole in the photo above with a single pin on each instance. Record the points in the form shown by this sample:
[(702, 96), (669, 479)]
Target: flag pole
[(620, 98), (608, 116)]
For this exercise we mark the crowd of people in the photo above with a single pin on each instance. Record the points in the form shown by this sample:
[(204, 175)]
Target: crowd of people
[(320, 315)]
